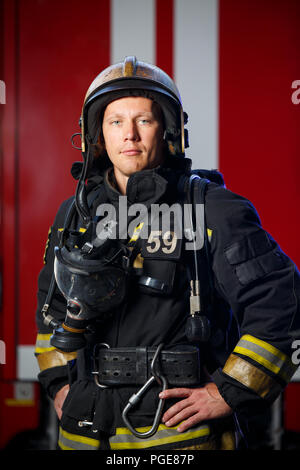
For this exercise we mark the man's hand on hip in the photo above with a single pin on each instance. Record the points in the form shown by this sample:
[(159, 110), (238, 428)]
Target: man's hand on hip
[(198, 404)]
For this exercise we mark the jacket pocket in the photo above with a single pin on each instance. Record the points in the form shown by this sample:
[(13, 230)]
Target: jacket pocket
[(254, 257), (80, 401)]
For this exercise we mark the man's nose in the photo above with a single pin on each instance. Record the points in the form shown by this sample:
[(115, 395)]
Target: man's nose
[(131, 131)]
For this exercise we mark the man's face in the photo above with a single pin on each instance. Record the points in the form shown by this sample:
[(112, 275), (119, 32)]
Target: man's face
[(133, 135)]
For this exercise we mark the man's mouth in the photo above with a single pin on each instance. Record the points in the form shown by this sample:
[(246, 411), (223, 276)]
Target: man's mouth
[(131, 152)]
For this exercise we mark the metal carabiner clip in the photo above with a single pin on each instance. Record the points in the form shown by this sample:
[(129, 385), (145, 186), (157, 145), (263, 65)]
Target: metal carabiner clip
[(135, 398)]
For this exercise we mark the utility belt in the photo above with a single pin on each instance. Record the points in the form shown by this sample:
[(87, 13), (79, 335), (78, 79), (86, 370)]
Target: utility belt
[(134, 366), (144, 366)]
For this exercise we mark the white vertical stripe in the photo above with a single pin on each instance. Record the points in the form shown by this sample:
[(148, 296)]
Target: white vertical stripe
[(27, 366), (196, 75), (132, 30)]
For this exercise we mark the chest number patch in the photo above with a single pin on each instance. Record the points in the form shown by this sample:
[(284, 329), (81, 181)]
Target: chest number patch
[(157, 241)]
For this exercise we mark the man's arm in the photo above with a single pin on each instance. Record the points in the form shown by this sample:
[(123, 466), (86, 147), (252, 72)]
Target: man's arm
[(262, 286)]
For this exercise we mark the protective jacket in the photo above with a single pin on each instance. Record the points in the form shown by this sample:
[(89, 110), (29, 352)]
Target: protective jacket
[(254, 315)]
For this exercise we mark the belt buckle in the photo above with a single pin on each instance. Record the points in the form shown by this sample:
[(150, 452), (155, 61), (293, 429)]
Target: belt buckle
[(95, 371)]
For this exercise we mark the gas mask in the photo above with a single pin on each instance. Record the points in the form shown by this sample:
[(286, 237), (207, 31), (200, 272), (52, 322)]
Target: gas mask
[(92, 276)]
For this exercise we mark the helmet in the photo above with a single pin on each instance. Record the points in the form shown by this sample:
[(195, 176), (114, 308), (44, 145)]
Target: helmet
[(134, 78)]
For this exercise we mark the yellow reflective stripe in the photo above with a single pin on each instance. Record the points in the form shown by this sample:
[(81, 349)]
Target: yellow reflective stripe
[(266, 355), (209, 234), (266, 346), (133, 442), (82, 229), (43, 343), (158, 442), (76, 439), (42, 350)]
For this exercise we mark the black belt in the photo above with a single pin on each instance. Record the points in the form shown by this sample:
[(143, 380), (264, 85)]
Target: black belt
[(132, 366)]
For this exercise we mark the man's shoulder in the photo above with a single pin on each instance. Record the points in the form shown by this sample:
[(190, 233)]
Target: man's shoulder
[(217, 193), (224, 206), (222, 203)]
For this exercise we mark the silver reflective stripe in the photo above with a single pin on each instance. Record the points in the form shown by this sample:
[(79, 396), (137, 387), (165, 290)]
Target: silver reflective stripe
[(267, 355), (124, 439), (262, 352), (68, 441)]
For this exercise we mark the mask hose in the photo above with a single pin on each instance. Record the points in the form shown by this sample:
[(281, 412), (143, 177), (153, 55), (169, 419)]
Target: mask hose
[(81, 194)]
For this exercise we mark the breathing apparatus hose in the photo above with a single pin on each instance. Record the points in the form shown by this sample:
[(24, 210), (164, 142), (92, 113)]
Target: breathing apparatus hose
[(81, 193)]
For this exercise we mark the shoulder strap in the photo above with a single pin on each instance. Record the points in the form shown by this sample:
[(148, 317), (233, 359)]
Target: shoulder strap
[(199, 192), (194, 190)]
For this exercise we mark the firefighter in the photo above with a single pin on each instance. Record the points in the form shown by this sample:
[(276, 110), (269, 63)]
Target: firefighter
[(154, 338)]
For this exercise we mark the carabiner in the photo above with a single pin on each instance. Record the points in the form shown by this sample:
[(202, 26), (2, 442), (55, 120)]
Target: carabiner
[(135, 398)]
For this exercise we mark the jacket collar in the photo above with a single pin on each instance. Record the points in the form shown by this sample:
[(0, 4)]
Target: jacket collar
[(149, 186)]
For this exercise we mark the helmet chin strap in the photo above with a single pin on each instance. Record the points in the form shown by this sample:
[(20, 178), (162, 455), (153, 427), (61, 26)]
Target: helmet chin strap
[(81, 192)]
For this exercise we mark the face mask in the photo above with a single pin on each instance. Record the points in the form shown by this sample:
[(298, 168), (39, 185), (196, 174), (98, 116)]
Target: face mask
[(93, 279)]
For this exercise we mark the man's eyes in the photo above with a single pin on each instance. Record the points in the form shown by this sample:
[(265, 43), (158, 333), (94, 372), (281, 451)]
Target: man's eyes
[(143, 121)]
